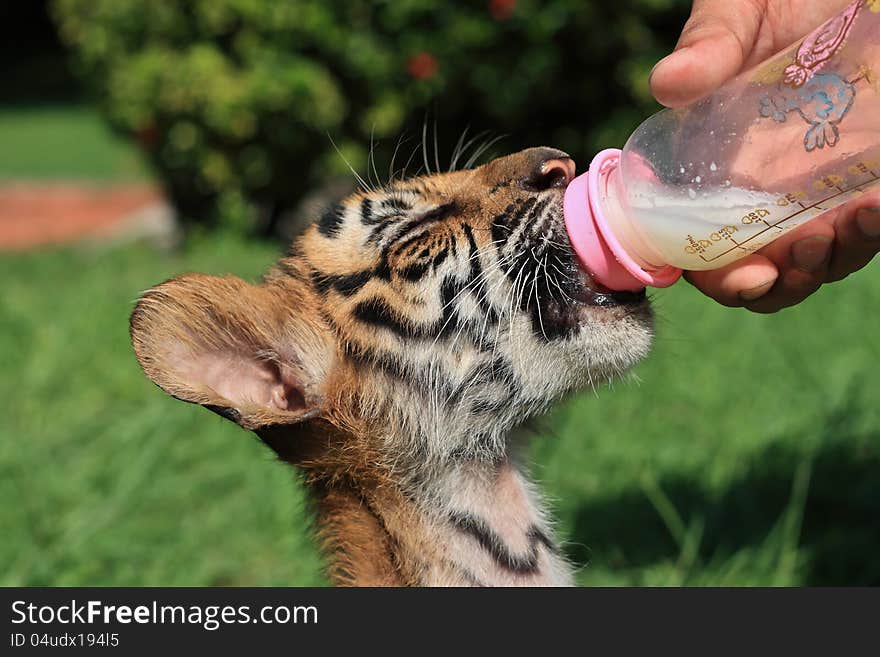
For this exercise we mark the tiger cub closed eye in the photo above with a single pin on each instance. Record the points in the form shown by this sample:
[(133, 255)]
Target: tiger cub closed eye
[(391, 354)]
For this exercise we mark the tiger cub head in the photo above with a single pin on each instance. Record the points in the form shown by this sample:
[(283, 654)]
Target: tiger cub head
[(421, 321)]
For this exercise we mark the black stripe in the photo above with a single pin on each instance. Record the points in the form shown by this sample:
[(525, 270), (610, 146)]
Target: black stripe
[(383, 269), (331, 220), (377, 312), (495, 546), (541, 537), (500, 232), (538, 209), (351, 283), (490, 406), (521, 213), (544, 327), (449, 290), (440, 257), (453, 325), (433, 216), (501, 370), (413, 241), (450, 323), (476, 270), (367, 212), (497, 370), (345, 284), (395, 203), (387, 363), (505, 224), (380, 225), (476, 267), (365, 356), (442, 212), (494, 372), (391, 366), (415, 271), (322, 282)]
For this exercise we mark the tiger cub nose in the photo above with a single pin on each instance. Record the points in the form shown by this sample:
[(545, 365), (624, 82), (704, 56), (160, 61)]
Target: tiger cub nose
[(549, 168)]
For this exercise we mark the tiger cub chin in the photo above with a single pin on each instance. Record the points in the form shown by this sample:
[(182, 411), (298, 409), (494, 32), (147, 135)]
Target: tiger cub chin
[(390, 354)]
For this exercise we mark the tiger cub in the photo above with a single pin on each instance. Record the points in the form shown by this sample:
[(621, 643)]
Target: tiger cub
[(391, 353)]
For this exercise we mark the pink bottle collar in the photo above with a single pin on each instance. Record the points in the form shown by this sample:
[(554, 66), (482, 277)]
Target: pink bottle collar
[(595, 245)]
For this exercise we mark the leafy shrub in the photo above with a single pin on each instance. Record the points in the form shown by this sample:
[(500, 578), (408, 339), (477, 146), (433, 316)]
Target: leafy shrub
[(236, 101)]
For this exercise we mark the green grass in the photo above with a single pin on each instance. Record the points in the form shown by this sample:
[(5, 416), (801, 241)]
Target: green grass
[(749, 453), (64, 142)]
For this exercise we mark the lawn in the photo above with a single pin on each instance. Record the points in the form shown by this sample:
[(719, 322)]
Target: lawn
[(745, 450), (63, 142)]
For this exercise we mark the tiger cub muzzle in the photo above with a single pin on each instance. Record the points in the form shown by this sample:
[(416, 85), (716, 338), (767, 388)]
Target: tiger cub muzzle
[(562, 288)]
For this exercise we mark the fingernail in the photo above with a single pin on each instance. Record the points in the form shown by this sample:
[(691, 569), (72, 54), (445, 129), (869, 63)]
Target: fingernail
[(811, 253), (869, 222), (758, 291)]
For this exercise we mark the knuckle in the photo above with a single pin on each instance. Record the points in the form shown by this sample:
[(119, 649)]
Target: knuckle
[(846, 263), (800, 284)]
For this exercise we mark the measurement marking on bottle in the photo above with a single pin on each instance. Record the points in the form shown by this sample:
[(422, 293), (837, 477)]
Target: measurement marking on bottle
[(804, 208)]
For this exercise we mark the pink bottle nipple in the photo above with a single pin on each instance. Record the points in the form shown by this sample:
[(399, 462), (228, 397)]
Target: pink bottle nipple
[(597, 248)]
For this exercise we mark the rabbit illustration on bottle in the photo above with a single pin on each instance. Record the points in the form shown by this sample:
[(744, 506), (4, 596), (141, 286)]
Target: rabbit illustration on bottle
[(822, 102), (821, 99)]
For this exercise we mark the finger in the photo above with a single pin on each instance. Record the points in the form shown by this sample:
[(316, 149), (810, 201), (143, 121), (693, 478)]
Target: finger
[(802, 259), (858, 241), (738, 283), (823, 250), (782, 274), (715, 42)]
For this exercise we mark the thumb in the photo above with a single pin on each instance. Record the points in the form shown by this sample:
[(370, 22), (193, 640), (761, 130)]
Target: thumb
[(714, 44)]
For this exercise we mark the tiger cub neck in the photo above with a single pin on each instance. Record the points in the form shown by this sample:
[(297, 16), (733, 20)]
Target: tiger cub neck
[(474, 524)]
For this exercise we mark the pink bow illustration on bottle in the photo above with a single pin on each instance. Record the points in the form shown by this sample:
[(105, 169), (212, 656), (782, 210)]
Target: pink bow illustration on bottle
[(820, 46)]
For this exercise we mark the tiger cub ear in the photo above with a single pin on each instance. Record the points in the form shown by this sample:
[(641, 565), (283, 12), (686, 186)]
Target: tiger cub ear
[(254, 354)]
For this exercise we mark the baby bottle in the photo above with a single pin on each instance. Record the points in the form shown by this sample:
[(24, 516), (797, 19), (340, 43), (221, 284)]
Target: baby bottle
[(701, 187)]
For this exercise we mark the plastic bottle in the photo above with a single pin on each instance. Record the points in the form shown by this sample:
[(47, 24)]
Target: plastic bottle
[(776, 146)]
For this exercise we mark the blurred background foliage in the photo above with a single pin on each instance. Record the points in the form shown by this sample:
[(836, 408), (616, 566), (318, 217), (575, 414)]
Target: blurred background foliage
[(241, 105)]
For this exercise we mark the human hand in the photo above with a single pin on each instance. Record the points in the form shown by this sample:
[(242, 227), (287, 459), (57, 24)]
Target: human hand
[(722, 38)]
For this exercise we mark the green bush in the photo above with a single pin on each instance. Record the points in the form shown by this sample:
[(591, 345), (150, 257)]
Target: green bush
[(236, 101)]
